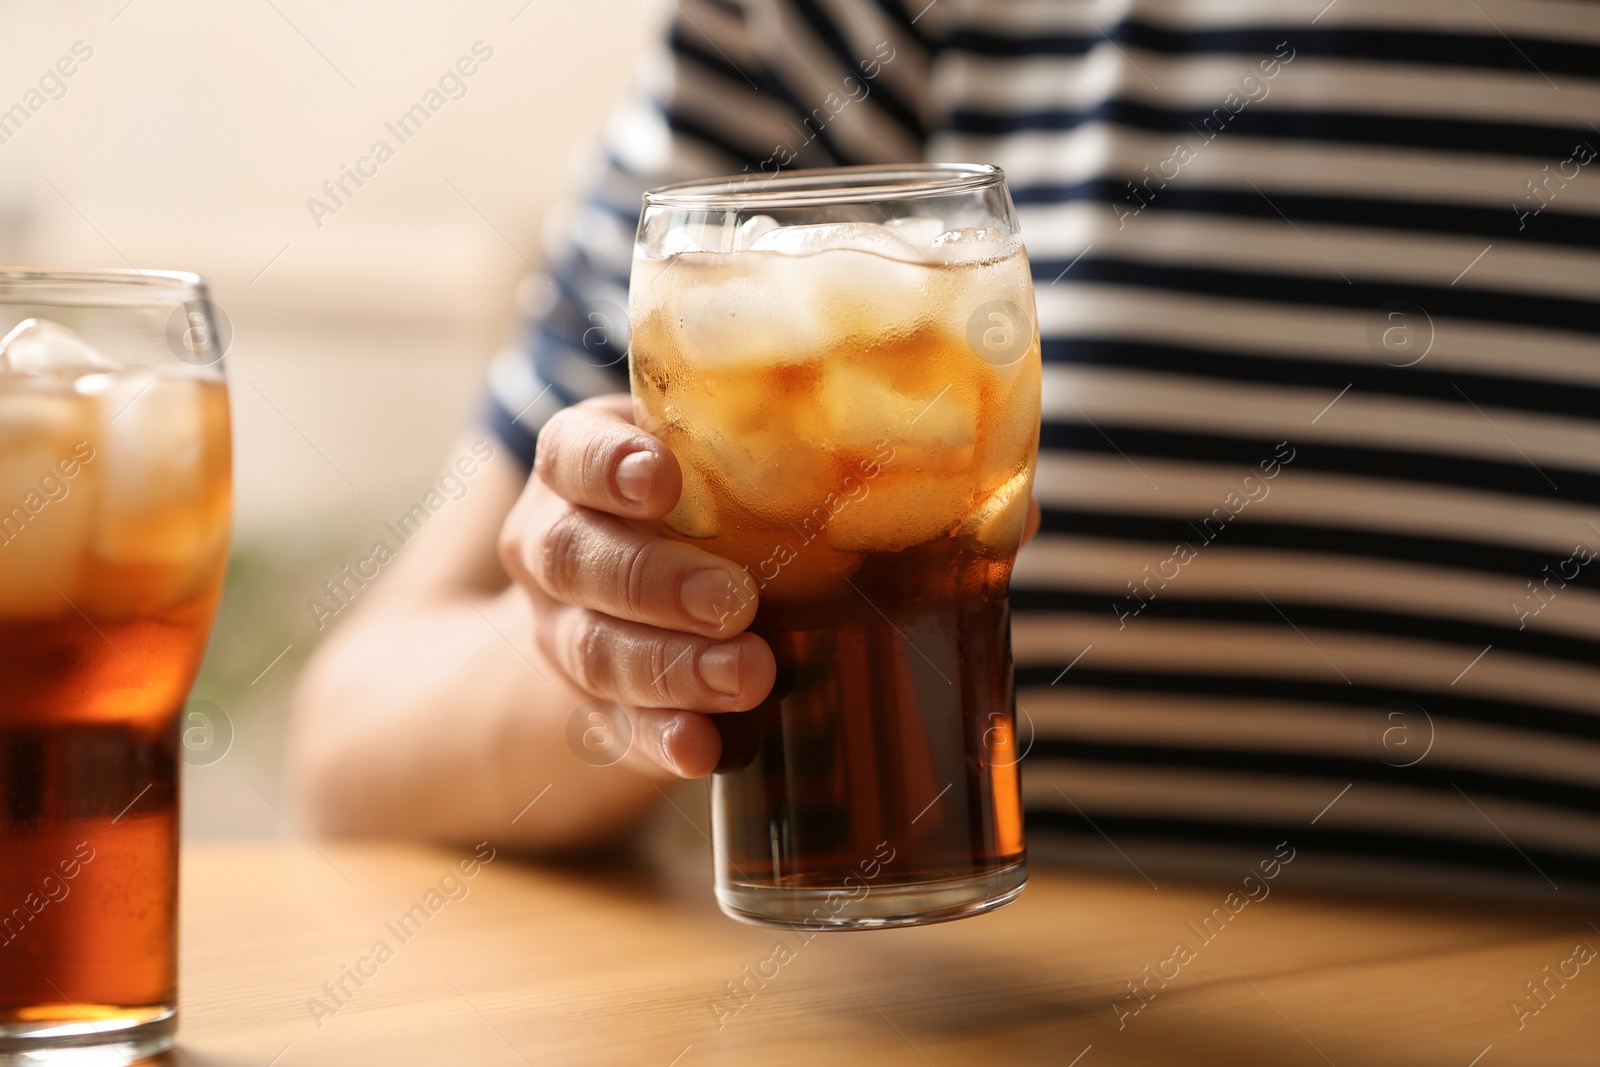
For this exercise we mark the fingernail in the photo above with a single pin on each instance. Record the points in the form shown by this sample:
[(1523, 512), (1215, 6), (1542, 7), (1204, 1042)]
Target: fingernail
[(707, 595), (719, 668), (634, 475), (668, 740)]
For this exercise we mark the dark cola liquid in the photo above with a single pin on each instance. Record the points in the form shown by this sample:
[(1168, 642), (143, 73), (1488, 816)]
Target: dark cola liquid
[(886, 754), (89, 814), (91, 898)]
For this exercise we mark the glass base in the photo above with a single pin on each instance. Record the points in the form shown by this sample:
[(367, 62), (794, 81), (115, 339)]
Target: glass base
[(883, 907), (101, 1035)]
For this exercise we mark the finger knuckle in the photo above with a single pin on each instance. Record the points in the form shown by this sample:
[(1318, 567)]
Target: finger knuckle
[(559, 553), (665, 683), (588, 656), (635, 577), (597, 458)]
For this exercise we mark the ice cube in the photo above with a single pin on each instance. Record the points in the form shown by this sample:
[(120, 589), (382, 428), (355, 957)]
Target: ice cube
[(921, 445), (667, 235), (769, 308), (753, 229), (748, 309), (934, 430), (39, 346), (900, 509), (1009, 434), (47, 493), (156, 505), (697, 238), (642, 281), (919, 232), (836, 236), (972, 244), (872, 295), (988, 310), (998, 520), (766, 473), (941, 434), (664, 239)]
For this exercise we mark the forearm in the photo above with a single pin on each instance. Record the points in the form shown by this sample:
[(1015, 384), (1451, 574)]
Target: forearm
[(438, 719)]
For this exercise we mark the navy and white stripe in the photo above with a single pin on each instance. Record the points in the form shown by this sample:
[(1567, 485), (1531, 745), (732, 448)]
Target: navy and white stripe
[(1226, 308)]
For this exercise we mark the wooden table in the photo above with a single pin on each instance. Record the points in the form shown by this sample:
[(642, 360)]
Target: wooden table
[(630, 965)]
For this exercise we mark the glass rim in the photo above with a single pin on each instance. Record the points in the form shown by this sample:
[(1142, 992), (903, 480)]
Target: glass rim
[(823, 186), (112, 286)]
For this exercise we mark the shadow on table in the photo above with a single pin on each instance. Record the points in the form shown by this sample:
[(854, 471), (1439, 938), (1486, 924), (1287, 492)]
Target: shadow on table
[(667, 863), (948, 991)]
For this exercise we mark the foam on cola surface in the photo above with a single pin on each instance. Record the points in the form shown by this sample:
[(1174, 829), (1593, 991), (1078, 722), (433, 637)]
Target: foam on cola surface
[(897, 243), (970, 245)]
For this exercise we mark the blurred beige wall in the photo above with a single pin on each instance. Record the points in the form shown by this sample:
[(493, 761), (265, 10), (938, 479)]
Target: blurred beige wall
[(195, 134)]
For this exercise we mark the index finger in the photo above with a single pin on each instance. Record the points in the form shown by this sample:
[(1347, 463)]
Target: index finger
[(592, 455)]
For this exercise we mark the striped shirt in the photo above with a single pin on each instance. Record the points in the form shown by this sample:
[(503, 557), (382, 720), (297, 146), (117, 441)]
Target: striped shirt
[(1319, 293)]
